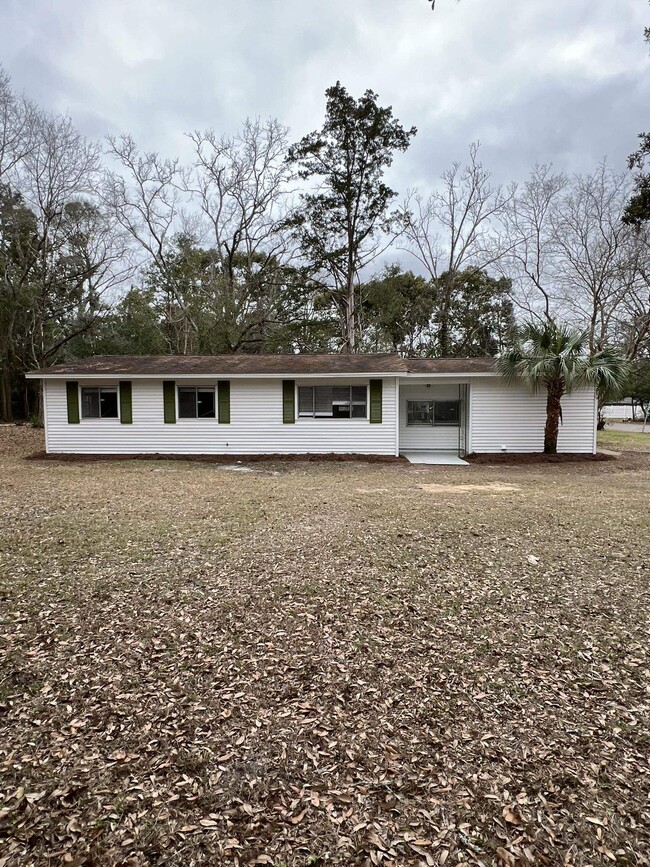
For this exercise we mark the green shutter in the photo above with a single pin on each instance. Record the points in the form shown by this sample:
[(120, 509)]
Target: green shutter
[(126, 402), (375, 400), (288, 401), (72, 396), (223, 400), (169, 401)]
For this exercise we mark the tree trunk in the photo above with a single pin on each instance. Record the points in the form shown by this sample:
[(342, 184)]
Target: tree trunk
[(6, 413), (445, 289), (39, 414), (350, 317), (555, 390)]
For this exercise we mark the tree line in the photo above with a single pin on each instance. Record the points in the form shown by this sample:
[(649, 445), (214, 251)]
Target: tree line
[(257, 244)]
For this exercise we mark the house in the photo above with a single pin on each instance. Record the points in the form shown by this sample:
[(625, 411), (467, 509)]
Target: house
[(622, 410), (378, 404)]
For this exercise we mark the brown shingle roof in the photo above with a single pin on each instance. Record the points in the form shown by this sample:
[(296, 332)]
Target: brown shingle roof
[(449, 365), (227, 365)]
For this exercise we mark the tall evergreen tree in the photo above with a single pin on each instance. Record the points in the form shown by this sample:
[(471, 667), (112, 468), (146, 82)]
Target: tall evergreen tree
[(341, 223)]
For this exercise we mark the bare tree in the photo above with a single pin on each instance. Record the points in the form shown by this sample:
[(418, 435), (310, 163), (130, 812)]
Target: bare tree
[(528, 241), (62, 254), (597, 255), (572, 259), (61, 167), (18, 117), (452, 231), (633, 319), (240, 184), (147, 199)]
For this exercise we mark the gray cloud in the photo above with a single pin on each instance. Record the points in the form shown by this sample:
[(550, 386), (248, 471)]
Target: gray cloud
[(543, 80)]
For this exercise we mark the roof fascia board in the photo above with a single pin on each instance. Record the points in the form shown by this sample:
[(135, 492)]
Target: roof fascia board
[(284, 375), (216, 375), (458, 375)]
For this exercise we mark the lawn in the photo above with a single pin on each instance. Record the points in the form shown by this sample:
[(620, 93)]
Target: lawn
[(622, 440), (323, 664)]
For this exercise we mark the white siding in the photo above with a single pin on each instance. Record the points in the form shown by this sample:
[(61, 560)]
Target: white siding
[(509, 416), (424, 436), (256, 424)]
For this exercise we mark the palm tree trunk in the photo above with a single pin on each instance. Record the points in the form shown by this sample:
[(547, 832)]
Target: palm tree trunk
[(555, 390)]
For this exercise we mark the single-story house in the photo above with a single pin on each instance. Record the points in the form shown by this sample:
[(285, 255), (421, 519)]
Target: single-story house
[(374, 404), (622, 410)]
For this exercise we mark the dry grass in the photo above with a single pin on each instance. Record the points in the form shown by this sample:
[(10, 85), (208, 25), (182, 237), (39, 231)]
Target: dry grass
[(323, 664)]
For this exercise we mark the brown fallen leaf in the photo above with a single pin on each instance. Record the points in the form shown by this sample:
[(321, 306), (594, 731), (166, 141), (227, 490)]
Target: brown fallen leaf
[(505, 857), (296, 820), (511, 816), (386, 619)]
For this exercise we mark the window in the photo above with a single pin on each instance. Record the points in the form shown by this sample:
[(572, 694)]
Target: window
[(433, 412), (99, 402), (195, 402), (333, 401), (447, 412), (419, 412)]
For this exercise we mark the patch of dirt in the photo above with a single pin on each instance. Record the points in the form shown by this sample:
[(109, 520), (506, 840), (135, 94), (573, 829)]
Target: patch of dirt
[(221, 459), (536, 458), (491, 487), (208, 668)]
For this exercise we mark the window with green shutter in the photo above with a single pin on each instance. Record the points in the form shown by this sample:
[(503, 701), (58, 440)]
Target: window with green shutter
[(288, 401), (126, 402), (169, 401), (376, 389), (223, 400), (72, 399)]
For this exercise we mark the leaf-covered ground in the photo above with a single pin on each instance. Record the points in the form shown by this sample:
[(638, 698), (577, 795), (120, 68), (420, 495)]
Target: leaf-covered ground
[(323, 664)]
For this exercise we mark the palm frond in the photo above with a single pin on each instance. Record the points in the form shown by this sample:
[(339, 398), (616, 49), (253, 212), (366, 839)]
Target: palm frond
[(607, 371), (554, 354)]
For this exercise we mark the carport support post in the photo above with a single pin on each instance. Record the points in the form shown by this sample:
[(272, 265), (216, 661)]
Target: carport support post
[(463, 420), (397, 409)]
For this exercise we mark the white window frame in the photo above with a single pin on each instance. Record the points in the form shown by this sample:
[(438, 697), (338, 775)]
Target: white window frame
[(351, 403), (196, 389), (99, 389)]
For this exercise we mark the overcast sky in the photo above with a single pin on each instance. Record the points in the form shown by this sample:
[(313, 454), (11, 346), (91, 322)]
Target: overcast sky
[(565, 81)]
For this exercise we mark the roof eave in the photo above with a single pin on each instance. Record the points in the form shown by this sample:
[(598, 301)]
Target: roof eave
[(379, 374), (288, 374)]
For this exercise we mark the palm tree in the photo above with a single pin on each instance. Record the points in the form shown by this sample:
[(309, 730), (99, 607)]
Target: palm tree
[(556, 358)]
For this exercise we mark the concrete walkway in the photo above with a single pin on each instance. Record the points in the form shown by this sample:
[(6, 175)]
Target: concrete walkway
[(630, 427), (447, 459)]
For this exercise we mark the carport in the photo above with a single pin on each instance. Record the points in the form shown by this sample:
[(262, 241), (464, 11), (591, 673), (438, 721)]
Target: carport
[(433, 420)]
